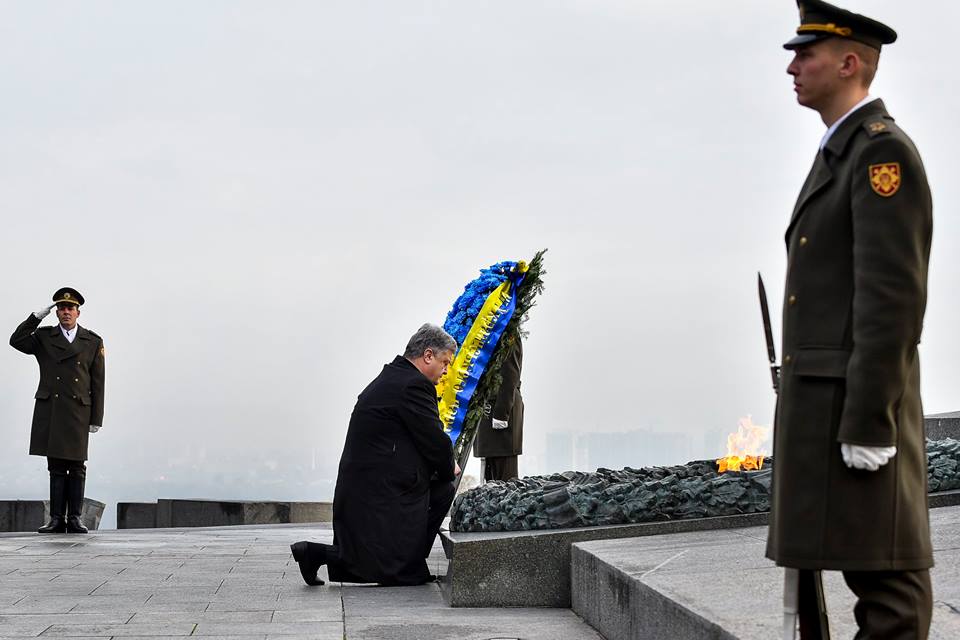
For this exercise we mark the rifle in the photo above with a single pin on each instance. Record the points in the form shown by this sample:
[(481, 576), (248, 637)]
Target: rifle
[(803, 595)]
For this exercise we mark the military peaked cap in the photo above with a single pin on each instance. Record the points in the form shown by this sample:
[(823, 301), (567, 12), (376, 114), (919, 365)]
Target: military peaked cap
[(68, 294), (819, 20)]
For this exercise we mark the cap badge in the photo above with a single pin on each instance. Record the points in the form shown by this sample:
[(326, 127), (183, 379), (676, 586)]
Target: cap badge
[(66, 296), (885, 178)]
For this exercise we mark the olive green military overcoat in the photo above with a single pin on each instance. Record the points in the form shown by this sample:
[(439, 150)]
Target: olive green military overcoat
[(856, 287), (490, 442), (69, 397)]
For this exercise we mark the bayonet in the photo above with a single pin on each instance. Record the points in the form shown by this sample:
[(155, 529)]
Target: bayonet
[(768, 334)]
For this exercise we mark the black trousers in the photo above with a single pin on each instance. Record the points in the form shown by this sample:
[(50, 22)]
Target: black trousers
[(442, 494), (62, 467), (500, 468), (892, 605)]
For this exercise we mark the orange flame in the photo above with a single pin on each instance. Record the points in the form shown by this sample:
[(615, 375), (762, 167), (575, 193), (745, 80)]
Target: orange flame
[(745, 448)]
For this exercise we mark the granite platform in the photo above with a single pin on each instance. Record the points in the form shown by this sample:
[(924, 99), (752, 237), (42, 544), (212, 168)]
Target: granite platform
[(230, 582), (532, 568), (717, 585)]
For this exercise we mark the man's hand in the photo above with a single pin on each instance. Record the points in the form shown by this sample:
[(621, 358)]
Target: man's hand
[(858, 456), (94, 428), (499, 424), (456, 468), (42, 313)]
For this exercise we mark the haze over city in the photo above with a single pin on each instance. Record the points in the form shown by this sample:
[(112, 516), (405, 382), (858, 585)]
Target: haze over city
[(262, 201)]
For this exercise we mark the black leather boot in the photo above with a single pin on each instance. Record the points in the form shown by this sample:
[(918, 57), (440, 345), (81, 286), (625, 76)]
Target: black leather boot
[(310, 556), (58, 505), (75, 503)]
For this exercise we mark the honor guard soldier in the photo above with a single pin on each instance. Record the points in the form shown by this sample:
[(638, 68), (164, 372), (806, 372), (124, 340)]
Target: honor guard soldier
[(849, 484), (500, 433), (69, 402)]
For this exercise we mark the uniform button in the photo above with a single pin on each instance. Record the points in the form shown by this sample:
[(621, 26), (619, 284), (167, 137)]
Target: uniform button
[(74, 397), (56, 395), (787, 359), (792, 300), (76, 379), (58, 377), (803, 240)]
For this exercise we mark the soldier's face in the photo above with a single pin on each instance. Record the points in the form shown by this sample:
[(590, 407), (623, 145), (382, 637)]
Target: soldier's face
[(67, 314), (816, 74), (436, 364)]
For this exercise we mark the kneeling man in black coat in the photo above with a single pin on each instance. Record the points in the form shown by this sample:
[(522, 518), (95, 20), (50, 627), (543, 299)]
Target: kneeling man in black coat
[(395, 483)]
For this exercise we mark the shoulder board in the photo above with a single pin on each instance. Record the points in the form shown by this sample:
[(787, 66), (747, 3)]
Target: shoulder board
[(94, 334), (877, 127)]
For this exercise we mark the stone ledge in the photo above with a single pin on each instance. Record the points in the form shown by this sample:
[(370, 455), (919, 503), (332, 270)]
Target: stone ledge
[(532, 568), (720, 586), (28, 515), (177, 513)]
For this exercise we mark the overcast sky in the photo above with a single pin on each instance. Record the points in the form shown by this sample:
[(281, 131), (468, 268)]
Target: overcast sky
[(262, 200)]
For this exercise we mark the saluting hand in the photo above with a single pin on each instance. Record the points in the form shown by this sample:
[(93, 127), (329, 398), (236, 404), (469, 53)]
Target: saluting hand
[(43, 312)]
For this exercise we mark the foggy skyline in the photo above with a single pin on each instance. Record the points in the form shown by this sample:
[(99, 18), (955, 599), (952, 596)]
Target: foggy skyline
[(261, 203)]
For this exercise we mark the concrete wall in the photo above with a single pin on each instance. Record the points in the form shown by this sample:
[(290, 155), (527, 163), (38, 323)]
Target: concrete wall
[(167, 513), (943, 425), (28, 515)]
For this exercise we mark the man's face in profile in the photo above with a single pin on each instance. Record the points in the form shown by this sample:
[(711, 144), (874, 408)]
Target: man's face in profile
[(435, 364), (815, 70), (67, 314)]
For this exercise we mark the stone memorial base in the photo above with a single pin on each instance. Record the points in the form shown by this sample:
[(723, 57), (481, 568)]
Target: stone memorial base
[(28, 515), (175, 513), (532, 568), (718, 585)]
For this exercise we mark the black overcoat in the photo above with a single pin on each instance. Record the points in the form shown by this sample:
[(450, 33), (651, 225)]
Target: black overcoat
[(395, 443), (856, 288), (492, 442), (69, 397)]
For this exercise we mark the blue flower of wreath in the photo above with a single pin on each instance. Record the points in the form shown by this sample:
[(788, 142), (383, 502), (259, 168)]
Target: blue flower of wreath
[(468, 305)]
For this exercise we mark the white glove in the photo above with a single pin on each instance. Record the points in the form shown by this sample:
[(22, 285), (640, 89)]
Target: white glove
[(858, 456), (40, 314), (94, 428), (499, 424)]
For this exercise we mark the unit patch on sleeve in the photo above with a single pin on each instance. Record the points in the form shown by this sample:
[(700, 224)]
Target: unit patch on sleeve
[(885, 178)]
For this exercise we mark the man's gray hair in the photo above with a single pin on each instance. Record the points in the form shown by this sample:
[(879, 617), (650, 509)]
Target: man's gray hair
[(432, 337)]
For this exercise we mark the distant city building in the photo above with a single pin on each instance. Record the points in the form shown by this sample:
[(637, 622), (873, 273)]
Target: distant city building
[(615, 450)]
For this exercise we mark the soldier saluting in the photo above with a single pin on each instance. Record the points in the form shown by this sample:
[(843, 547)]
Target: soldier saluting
[(69, 402), (850, 482)]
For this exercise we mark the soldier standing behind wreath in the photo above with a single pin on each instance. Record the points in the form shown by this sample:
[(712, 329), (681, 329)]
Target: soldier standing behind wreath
[(500, 432), (849, 486), (69, 402)]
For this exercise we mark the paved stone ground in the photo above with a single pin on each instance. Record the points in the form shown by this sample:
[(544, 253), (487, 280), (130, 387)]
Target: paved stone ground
[(230, 582)]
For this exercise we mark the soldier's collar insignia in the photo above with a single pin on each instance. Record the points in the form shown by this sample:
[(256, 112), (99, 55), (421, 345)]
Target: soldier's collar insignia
[(885, 178)]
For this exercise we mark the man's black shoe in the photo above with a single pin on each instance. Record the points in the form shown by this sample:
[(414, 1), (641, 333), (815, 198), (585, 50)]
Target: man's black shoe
[(57, 524), (308, 565), (74, 525)]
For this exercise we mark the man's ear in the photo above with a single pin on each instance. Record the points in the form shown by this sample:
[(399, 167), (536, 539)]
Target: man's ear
[(849, 65)]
